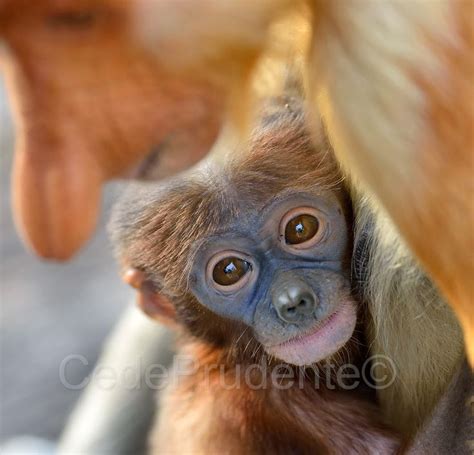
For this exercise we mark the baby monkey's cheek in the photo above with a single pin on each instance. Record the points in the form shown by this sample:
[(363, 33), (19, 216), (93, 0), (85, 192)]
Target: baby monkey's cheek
[(321, 341)]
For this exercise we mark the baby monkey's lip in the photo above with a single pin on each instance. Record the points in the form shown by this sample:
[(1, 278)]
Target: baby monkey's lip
[(324, 339)]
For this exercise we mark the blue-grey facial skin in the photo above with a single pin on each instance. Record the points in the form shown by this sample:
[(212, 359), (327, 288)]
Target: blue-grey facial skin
[(257, 236)]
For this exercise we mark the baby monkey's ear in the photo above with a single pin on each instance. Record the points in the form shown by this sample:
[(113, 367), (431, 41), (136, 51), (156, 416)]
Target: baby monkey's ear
[(149, 299)]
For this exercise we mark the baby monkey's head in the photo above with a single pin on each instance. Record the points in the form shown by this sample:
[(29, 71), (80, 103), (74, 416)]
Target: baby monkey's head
[(254, 252)]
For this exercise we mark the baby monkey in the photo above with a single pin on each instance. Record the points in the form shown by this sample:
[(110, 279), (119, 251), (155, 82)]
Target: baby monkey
[(251, 262)]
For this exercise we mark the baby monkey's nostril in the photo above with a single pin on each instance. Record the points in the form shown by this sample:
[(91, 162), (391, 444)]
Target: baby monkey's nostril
[(294, 302)]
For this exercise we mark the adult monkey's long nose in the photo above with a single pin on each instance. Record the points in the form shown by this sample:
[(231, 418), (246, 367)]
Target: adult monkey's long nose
[(86, 119), (115, 96)]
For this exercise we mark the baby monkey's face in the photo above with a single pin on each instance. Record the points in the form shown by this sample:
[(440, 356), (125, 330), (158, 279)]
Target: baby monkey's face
[(282, 269), (256, 249)]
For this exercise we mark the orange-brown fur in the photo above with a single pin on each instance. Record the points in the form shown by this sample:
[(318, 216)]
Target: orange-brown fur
[(200, 415), (89, 103), (447, 159)]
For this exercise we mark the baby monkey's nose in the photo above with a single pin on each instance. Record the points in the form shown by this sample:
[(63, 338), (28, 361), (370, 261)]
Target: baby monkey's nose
[(294, 301)]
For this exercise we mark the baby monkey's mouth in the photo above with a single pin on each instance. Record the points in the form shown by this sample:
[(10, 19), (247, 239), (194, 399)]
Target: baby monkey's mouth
[(321, 341)]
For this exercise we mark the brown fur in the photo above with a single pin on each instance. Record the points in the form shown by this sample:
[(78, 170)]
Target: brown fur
[(155, 231), (200, 416), (206, 198)]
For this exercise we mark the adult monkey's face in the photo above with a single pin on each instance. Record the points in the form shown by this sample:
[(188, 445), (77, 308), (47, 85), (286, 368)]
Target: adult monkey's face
[(89, 102)]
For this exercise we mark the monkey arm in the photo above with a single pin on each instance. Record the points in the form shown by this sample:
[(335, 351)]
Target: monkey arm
[(393, 88), (451, 426), (117, 420)]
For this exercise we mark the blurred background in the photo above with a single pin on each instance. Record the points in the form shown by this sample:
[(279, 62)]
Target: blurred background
[(47, 312)]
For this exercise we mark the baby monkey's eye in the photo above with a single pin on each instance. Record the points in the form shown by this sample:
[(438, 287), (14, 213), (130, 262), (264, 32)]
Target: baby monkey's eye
[(230, 270), (301, 228)]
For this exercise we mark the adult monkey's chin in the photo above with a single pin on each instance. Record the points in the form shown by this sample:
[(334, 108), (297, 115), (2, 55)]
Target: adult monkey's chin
[(322, 341)]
